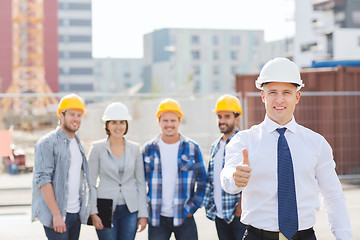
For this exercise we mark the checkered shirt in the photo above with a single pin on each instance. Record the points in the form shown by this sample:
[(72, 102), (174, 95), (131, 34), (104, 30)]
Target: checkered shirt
[(190, 182), (229, 201)]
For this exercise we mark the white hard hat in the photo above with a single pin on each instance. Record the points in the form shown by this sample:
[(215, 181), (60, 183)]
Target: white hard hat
[(116, 111), (279, 70)]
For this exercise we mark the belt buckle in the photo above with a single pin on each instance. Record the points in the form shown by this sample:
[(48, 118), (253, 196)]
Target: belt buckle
[(282, 237)]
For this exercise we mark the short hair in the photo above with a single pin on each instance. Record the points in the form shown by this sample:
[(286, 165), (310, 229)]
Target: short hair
[(107, 131)]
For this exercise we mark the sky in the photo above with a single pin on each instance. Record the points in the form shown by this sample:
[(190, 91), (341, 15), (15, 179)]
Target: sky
[(119, 26)]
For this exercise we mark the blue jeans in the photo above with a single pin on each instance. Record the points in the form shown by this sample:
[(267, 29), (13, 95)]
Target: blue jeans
[(124, 225), (73, 225), (186, 231), (232, 231)]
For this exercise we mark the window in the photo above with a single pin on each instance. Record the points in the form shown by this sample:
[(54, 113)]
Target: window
[(215, 55), (81, 87), (64, 22), (196, 70), (80, 38), (305, 47), (197, 86), (81, 71), (79, 6), (235, 40), (80, 55), (216, 85), (195, 39), (80, 22), (356, 17), (127, 75), (195, 55), (234, 70), (216, 70), (215, 40), (234, 55)]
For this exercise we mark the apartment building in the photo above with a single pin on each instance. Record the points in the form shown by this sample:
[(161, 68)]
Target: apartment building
[(75, 46), (326, 30), (117, 75), (199, 60)]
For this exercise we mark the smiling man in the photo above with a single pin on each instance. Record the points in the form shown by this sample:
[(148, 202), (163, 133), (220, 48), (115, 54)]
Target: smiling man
[(222, 207), (61, 176), (175, 175), (280, 166)]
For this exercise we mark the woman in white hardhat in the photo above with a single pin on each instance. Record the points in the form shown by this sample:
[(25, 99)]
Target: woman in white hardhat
[(117, 174)]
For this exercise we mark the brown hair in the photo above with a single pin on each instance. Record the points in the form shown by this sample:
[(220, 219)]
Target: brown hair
[(108, 132)]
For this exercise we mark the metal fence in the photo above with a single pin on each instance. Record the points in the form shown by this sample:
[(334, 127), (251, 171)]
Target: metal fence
[(335, 115)]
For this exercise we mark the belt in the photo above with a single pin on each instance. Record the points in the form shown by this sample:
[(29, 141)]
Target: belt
[(303, 234)]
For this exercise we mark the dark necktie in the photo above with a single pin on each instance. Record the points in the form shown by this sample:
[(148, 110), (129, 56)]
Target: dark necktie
[(287, 207)]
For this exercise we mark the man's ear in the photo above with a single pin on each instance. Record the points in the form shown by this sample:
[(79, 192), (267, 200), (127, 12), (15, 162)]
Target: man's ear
[(262, 96)]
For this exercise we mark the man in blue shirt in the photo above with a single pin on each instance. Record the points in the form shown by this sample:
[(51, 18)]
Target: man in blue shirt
[(61, 176), (221, 207), (175, 175)]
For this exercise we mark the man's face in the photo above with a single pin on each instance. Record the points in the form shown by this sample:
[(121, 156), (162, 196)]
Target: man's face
[(70, 120), (227, 122), (280, 100), (169, 123)]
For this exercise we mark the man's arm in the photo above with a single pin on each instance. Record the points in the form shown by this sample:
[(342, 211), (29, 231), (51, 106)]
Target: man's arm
[(332, 193), (49, 197), (200, 177)]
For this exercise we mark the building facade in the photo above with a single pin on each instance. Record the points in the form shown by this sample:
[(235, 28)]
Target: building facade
[(199, 60), (75, 46), (117, 75), (326, 30)]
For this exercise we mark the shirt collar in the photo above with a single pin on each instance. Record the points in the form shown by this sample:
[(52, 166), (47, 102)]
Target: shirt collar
[(271, 126)]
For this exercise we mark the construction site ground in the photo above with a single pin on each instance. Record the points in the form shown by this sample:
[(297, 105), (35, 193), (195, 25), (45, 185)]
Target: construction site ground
[(15, 213)]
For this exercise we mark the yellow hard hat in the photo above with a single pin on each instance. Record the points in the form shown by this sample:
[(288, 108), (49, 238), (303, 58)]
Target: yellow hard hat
[(72, 101), (228, 103), (169, 105)]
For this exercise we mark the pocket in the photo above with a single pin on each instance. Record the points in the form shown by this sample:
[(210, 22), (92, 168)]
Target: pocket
[(187, 163), (149, 163)]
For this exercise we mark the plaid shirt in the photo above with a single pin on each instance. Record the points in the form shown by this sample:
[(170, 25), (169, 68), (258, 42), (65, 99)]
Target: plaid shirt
[(191, 171), (229, 201)]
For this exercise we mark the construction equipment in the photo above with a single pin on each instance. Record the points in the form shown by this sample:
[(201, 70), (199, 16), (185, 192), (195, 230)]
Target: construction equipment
[(28, 74)]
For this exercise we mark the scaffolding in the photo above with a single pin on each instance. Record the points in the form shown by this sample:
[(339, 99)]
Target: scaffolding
[(28, 72)]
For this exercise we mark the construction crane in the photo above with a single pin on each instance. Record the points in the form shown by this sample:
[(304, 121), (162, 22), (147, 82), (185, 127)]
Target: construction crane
[(28, 72)]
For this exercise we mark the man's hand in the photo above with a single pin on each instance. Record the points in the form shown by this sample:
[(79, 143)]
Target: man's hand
[(242, 174), (97, 222), (141, 224), (59, 224)]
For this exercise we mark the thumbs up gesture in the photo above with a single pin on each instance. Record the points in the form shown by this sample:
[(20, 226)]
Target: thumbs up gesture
[(242, 174)]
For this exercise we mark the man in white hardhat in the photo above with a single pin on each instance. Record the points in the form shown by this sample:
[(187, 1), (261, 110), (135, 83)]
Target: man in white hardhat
[(280, 166)]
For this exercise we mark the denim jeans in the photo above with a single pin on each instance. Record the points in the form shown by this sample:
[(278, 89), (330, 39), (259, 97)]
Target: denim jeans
[(72, 229), (230, 231), (124, 225), (186, 231)]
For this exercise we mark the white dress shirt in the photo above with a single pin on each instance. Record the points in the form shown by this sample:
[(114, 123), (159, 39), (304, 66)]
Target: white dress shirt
[(314, 171)]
